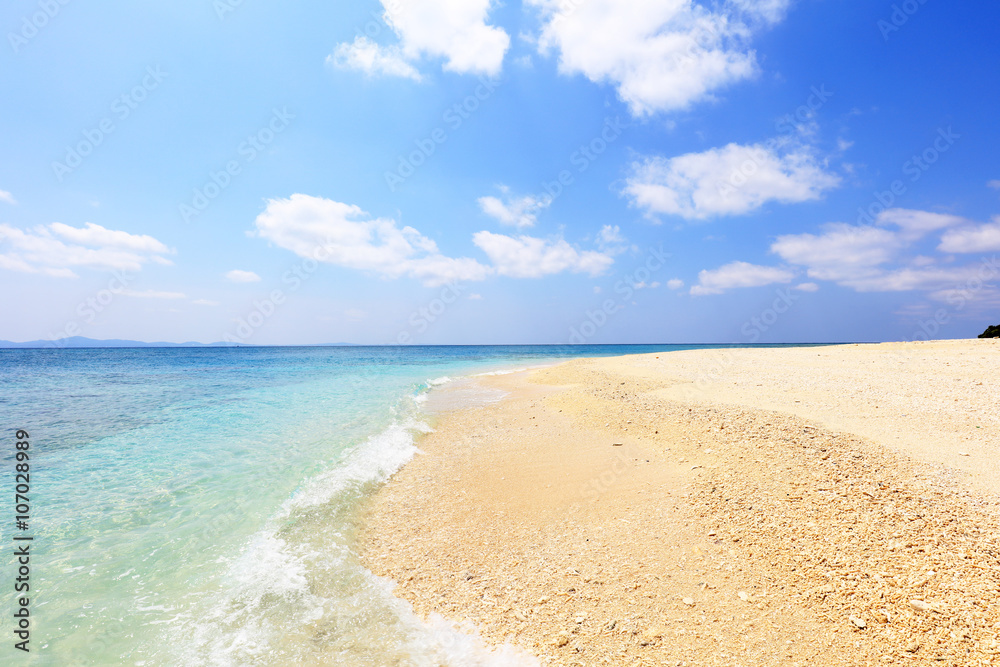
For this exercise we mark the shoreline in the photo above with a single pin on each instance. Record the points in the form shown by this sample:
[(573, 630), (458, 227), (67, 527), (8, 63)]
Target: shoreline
[(614, 511)]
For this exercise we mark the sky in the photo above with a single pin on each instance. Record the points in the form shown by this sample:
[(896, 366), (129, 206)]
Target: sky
[(477, 172)]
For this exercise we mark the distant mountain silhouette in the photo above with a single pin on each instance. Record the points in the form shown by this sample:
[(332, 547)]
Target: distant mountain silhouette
[(82, 342)]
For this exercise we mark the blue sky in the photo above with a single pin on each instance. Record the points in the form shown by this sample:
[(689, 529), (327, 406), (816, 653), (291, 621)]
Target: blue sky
[(460, 171)]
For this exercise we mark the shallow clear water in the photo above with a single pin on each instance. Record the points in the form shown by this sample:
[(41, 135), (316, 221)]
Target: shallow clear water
[(199, 506)]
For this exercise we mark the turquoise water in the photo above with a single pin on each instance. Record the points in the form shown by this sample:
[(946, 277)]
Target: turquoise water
[(198, 506)]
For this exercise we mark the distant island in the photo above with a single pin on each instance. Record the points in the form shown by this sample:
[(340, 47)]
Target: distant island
[(82, 342), (991, 332)]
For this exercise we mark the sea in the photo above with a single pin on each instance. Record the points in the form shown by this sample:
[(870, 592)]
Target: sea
[(201, 506)]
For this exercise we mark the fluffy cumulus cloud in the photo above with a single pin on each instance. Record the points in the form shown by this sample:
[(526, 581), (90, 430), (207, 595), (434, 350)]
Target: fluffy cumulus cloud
[(882, 258), (529, 257), (660, 55), (344, 235), (7, 197), (739, 274), (732, 180), (59, 250), (455, 30), (517, 212)]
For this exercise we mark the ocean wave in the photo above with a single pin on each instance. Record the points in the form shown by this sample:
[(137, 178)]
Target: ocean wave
[(297, 592)]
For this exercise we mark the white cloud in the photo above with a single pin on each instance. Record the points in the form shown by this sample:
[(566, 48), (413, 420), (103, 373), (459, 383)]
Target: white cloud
[(205, 302), (995, 184), (917, 224), (344, 235), (611, 241), (843, 252), (239, 276), (807, 287), (738, 274), (455, 30), (770, 11), (56, 249), (984, 296), (610, 235), (980, 238), (152, 294), (660, 56), (529, 257), (675, 284), (732, 180), (874, 259), (909, 279), (7, 197), (518, 212), (95, 235), (475, 297), (372, 59)]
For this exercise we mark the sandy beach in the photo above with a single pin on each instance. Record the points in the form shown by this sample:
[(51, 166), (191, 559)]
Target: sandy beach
[(833, 505)]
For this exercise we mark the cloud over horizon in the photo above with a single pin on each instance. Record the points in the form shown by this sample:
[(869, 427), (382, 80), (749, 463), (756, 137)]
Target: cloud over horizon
[(57, 249), (344, 235), (529, 257), (738, 274), (881, 258)]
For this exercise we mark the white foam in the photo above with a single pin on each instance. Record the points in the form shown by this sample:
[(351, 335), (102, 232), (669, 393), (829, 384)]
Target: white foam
[(462, 646), (439, 381), (508, 371), (374, 461), (270, 588)]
